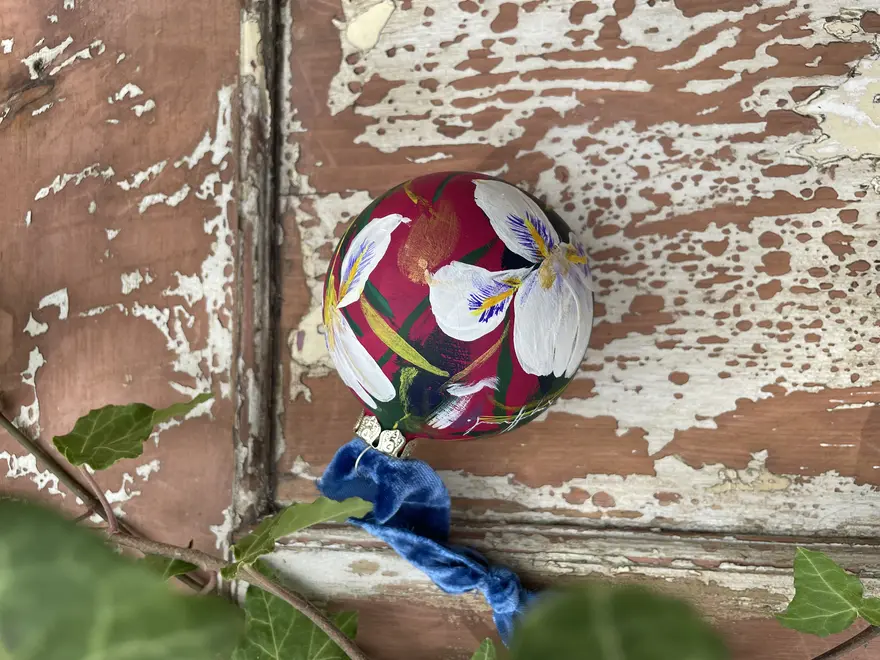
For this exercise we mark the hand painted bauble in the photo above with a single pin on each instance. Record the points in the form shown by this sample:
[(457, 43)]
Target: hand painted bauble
[(456, 306)]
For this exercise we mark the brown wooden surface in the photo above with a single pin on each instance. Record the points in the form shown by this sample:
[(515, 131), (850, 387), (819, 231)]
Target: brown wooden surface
[(706, 153), (727, 408), (170, 336)]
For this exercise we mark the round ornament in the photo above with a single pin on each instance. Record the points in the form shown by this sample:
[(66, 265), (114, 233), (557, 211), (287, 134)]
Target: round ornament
[(456, 306)]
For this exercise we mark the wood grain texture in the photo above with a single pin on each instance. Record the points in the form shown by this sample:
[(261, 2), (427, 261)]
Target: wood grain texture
[(718, 158), (117, 128)]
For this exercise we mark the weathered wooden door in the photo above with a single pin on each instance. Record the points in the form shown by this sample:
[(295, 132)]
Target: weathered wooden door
[(175, 176)]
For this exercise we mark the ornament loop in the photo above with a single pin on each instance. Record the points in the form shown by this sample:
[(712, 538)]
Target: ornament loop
[(390, 442)]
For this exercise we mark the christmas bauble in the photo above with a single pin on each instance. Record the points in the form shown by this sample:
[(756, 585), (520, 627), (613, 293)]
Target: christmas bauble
[(456, 306)]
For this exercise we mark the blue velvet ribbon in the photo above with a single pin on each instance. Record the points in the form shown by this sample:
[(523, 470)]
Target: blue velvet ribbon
[(411, 513)]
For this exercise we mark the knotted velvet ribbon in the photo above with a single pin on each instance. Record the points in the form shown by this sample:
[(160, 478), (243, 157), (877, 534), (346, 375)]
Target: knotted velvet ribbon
[(411, 513)]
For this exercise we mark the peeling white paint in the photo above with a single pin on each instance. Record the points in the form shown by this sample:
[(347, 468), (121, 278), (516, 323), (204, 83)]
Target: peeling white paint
[(120, 57), (28, 218), (131, 282), (40, 60), (34, 328), (122, 495), (97, 311), (25, 465), (429, 159), (29, 415), (147, 106), (364, 29), (6, 45), (140, 178), (84, 54), (53, 18), (849, 116), (128, 91), (223, 532), (724, 39), (161, 198), (57, 299), (144, 471), (42, 108), (111, 233), (61, 181), (211, 286)]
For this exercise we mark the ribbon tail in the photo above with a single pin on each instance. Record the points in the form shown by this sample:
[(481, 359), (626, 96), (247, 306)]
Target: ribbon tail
[(412, 514)]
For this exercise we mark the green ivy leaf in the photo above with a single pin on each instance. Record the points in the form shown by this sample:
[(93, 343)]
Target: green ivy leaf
[(614, 623), (168, 568), (292, 519), (276, 631), (869, 610), (486, 651), (111, 433), (65, 594), (827, 599)]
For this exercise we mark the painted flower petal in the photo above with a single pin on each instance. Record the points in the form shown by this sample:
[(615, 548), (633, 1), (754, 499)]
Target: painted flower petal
[(567, 334), (463, 389), (364, 254), (455, 406), (519, 222), (538, 324), (576, 254), (468, 301), (583, 296), (356, 367)]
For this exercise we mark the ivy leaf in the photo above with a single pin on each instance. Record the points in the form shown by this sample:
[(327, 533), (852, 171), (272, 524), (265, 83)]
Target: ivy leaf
[(827, 599), (65, 594), (111, 433), (168, 568), (261, 541), (276, 631), (869, 610), (614, 623), (486, 651)]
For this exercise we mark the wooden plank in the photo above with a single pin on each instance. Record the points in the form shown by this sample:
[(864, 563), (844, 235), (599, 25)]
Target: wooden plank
[(715, 158), (117, 266), (729, 382)]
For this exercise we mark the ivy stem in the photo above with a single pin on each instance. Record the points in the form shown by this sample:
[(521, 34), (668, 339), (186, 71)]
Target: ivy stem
[(54, 466), (210, 563), (109, 516), (92, 503)]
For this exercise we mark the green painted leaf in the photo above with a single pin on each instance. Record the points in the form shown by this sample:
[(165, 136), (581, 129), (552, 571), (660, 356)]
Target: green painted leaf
[(414, 315), (601, 622), (827, 598), (505, 374), (65, 594), (354, 326), (168, 568), (474, 256), (276, 631), (112, 433), (292, 519), (377, 300), (486, 651), (439, 190)]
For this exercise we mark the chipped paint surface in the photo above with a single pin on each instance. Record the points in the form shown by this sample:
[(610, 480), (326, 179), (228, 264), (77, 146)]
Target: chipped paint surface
[(713, 287), (720, 161), (87, 135), (365, 26)]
